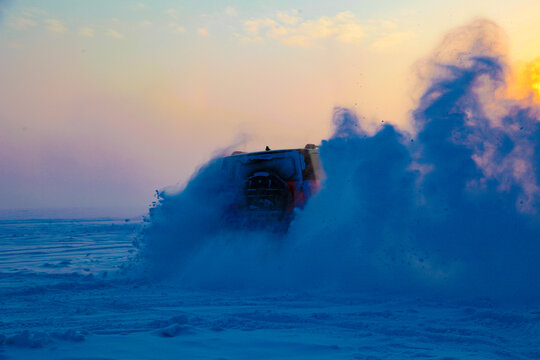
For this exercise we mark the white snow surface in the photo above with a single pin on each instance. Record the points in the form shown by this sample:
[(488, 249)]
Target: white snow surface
[(65, 293)]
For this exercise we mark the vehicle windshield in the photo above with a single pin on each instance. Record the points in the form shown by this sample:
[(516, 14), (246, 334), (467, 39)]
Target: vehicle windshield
[(282, 164)]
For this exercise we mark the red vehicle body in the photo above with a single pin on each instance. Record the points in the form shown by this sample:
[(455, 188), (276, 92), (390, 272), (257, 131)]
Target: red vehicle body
[(272, 183)]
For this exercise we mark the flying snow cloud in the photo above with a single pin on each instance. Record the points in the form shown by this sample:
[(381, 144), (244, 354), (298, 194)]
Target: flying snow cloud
[(453, 209)]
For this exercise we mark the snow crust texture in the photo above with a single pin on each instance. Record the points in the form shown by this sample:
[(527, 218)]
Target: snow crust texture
[(451, 210), (76, 316)]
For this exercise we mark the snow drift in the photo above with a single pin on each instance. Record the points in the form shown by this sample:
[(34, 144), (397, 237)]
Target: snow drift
[(451, 210)]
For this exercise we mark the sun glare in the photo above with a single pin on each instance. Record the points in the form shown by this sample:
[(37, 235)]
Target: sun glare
[(534, 76), (525, 81)]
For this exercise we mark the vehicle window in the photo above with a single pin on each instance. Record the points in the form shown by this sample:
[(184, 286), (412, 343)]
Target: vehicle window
[(240, 167), (284, 167)]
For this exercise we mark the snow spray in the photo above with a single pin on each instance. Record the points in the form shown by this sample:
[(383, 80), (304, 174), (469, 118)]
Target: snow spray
[(452, 210)]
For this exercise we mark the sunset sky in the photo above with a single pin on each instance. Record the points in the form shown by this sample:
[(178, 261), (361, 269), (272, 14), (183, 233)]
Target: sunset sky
[(102, 102)]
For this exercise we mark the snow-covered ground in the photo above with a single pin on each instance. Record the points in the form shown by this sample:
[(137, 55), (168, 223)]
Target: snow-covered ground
[(64, 294)]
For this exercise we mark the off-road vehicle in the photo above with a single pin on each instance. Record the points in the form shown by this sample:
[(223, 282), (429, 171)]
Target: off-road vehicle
[(271, 184)]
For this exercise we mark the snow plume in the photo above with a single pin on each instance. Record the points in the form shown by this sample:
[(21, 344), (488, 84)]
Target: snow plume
[(182, 221), (453, 210)]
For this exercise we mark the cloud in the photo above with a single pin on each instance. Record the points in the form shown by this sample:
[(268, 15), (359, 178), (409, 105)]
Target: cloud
[(86, 31), (298, 40), (21, 23), (253, 26), (229, 10), (321, 28), (279, 31), (247, 39), (392, 40), (384, 24), (175, 27), (203, 31), (172, 13), (291, 30), (114, 34), (345, 16), (32, 12), (55, 26), (138, 6), (288, 19), (350, 33)]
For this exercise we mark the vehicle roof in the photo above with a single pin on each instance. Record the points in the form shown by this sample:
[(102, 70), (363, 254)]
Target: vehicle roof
[(265, 152)]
